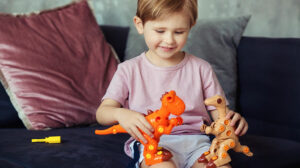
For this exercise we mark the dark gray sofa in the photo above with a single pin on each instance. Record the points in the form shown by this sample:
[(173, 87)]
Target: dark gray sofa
[(268, 97)]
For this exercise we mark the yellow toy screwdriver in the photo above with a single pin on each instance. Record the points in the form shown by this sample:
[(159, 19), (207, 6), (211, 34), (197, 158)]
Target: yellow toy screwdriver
[(51, 139)]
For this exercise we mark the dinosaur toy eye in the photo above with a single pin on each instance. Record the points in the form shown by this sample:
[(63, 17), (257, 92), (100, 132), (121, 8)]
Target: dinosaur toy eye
[(219, 101), (169, 98)]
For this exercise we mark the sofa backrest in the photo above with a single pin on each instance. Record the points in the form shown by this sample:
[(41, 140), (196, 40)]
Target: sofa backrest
[(269, 85)]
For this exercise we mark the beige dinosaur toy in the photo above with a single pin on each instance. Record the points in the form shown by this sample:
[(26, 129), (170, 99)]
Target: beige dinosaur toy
[(225, 138)]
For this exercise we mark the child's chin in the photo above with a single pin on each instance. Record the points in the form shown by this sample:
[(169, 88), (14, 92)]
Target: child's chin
[(166, 55)]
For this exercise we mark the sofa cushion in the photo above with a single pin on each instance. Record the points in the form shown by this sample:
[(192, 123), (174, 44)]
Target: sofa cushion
[(55, 65), (115, 35), (79, 147), (214, 40), (269, 80), (267, 152)]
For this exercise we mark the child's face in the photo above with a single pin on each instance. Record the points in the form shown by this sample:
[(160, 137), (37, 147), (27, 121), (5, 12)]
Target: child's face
[(165, 37)]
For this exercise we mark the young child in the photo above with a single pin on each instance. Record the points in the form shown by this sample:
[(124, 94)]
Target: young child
[(139, 83)]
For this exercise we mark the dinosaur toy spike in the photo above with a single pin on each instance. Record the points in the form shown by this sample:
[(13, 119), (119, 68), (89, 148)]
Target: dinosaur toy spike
[(159, 119)]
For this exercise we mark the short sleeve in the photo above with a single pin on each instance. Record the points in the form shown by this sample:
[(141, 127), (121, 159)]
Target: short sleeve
[(118, 87), (211, 85)]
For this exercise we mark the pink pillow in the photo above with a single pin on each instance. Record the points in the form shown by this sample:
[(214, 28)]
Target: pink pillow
[(55, 66)]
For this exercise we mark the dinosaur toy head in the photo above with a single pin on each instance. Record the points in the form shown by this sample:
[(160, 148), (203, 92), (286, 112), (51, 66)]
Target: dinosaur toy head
[(217, 101), (173, 103)]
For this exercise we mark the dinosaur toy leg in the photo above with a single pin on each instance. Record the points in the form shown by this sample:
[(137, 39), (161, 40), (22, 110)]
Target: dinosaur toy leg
[(222, 156), (202, 158), (158, 157), (154, 154), (244, 149), (206, 156)]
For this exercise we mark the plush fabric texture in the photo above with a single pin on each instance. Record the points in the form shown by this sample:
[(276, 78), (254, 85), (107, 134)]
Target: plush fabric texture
[(116, 36), (269, 80), (214, 40), (80, 147), (55, 65)]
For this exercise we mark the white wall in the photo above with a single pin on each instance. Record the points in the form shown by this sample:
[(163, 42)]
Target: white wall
[(270, 18)]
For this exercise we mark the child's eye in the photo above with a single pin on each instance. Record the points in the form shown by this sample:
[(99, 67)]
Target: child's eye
[(159, 31), (179, 32)]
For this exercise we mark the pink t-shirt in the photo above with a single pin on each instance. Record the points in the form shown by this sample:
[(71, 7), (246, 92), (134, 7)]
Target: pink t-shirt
[(139, 85)]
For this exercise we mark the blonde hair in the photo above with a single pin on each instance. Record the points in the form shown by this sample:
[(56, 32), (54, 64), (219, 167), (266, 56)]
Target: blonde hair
[(153, 9)]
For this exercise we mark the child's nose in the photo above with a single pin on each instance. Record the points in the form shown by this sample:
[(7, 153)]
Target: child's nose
[(169, 38)]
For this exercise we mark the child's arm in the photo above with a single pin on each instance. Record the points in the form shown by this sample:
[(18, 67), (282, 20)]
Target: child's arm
[(237, 121), (110, 112)]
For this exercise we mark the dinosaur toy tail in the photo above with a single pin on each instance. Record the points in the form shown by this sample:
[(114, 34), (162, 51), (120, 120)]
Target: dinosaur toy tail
[(111, 130)]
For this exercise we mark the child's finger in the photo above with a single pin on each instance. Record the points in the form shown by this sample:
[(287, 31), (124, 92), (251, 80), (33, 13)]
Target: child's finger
[(132, 134), (245, 129), (138, 134), (240, 127), (146, 124), (229, 114), (143, 128), (235, 119)]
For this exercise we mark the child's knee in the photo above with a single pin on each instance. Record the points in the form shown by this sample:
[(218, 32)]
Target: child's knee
[(165, 164), (203, 165), (225, 166), (198, 165)]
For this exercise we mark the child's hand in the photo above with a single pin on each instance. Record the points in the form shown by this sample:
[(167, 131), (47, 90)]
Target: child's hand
[(132, 121), (238, 122)]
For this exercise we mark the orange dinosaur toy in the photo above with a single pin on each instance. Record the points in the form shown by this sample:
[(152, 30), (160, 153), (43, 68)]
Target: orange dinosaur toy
[(171, 104), (225, 138)]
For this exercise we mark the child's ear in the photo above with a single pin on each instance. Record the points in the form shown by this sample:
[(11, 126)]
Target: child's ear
[(138, 24)]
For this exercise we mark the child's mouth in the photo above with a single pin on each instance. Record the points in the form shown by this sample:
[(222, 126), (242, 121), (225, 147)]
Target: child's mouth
[(167, 49)]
